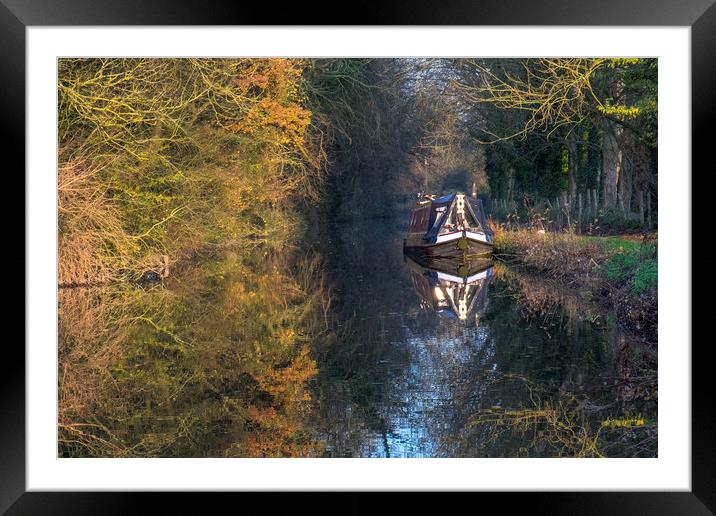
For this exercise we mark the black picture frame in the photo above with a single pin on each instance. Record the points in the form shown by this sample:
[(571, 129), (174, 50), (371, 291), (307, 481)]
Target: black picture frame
[(700, 15)]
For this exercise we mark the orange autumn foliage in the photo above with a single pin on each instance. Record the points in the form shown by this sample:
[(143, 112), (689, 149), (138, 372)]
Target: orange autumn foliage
[(291, 120)]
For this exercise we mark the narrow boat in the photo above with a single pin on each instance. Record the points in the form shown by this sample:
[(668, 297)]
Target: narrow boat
[(451, 226)]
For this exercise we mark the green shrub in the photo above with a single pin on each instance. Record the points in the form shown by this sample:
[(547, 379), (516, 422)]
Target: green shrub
[(635, 265), (646, 277)]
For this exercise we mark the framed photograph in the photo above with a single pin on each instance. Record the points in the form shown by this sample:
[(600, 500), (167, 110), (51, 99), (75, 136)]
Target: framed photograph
[(419, 252)]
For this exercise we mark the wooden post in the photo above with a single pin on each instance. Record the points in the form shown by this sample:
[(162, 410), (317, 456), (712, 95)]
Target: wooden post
[(565, 205)]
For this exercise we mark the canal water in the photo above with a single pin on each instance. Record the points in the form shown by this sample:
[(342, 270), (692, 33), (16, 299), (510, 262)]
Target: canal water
[(350, 349), (530, 369)]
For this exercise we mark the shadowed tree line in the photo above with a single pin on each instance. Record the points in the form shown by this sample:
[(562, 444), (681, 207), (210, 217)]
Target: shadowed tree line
[(580, 134)]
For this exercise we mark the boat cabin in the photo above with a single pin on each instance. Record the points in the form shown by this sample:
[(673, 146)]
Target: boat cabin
[(444, 221)]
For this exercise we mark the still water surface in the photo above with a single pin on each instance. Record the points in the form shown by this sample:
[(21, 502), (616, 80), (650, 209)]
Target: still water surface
[(417, 381), (348, 349)]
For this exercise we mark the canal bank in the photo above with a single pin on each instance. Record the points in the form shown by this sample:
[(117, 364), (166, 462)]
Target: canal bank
[(622, 270)]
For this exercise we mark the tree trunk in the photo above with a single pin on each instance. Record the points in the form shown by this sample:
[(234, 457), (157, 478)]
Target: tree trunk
[(641, 177), (573, 167), (611, 164), (587, 201), (640, 203), (629, 190), (624, 188), (510, 183)]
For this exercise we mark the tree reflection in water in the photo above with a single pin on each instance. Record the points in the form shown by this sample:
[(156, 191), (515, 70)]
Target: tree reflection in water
[(347, 349), (214, 363)]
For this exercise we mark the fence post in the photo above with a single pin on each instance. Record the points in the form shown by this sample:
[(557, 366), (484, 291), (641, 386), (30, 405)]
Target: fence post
[(589, 203), (596, 201)]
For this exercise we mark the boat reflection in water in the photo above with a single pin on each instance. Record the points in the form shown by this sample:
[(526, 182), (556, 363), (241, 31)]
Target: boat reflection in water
[(454, 289)]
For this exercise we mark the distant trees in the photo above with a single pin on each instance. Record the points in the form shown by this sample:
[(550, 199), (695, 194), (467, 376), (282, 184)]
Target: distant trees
[(444, 151), (389, 128)]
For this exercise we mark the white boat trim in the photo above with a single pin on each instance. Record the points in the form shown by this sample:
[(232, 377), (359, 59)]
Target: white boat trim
[(460, 279), (471, 235), (482, 237), (449, 237)]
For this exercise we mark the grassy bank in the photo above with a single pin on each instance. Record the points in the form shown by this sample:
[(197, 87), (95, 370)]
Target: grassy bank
[(623, 270)]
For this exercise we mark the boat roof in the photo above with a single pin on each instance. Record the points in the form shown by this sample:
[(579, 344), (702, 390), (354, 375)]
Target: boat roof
[(444, 198), (436, 200)]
